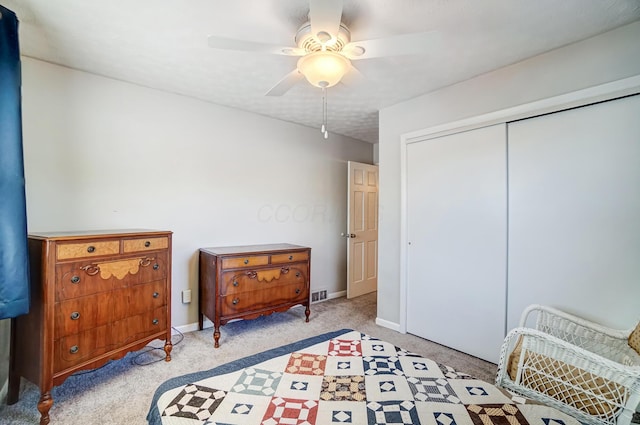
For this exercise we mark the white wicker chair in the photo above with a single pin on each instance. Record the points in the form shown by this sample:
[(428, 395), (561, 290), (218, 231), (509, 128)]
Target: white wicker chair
[(581, 368)]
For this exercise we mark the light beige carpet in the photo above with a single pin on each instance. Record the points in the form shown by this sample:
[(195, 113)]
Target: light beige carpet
[(120, 392)]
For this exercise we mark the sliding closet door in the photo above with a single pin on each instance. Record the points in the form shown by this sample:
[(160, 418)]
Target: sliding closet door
[(574, 212), (456, 224)]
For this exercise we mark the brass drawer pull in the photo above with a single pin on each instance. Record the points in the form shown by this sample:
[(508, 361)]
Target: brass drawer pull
[(246, 261), (91, 269), (75, 315), (155, 321), (235, 301), (298, 274), (156, 266), (156, 295), (290, 257), (284, 270), (235, 283), (74, 349), (91, 248), (75, 279), (147, 244), (297, 291)]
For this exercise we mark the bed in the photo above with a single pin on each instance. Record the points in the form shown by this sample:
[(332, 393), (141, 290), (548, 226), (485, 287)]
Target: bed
[(341, 377)]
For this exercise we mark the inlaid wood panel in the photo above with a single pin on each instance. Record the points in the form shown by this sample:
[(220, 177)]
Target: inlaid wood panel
[(147, 244), (232, 263), (87, 249)]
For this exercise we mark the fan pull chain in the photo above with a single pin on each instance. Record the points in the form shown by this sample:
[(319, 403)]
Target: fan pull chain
[(323, 128)]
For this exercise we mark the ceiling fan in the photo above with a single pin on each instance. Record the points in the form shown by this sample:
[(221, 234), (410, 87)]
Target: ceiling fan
[(326, 50)]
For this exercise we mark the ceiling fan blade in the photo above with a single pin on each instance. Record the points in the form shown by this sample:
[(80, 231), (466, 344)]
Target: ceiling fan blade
[(325, 16), (353, 77), (252, 46), (290, 80), (397, 45)]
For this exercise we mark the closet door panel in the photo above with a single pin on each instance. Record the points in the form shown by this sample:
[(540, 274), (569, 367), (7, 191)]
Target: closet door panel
[(456, 219), (574, 212)]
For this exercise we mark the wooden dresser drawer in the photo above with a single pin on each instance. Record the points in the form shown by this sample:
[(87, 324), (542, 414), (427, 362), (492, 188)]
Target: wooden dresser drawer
[(252, 280), (262, 299), (80, 314), (74, 349), (290, 257), (139, 326), (147, 297), (249, 261), (146, 244), (77, 348), (67, 251), (85, 278)]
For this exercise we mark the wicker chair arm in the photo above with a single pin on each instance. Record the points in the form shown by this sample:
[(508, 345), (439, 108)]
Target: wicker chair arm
[(563, 316)]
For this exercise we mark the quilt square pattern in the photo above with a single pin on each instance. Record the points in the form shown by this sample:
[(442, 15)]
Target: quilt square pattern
[(392, 412), (307, 364), (432, 390), (283, 411), (343, 388), (195, 402), (338, 347), (347, 378), (258, 382), (341, 412), (497, 414), (382, 365)]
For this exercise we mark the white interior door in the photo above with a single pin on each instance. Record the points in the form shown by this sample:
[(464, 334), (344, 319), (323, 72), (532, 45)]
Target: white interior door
[(574, 212), (362, 234), (456, 224)]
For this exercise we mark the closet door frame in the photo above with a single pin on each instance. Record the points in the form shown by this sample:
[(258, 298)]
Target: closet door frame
[(600, 93)]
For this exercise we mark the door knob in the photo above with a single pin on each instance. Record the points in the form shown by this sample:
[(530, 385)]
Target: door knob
[(348, 235)]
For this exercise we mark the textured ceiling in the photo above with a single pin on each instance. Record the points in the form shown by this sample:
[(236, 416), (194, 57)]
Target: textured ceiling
[(163, 44)]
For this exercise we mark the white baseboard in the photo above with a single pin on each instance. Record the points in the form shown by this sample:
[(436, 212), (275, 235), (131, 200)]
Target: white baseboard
[(387, 324), (336, 295), (191, 327)]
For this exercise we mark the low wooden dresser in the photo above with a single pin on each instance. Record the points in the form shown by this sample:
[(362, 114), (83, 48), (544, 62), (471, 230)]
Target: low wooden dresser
[(95, 296), (246, 282)]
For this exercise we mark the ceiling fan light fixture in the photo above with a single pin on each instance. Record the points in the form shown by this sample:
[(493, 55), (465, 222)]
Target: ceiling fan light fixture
[(323, 69)]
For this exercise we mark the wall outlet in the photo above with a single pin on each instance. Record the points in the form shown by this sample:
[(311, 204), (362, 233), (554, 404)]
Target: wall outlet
[(186, 296)]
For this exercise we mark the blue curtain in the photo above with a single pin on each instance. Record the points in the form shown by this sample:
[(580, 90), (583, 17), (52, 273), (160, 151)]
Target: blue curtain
[(14, 262)]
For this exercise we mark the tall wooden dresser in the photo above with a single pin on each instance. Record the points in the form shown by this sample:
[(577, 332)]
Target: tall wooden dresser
[(95, 296), (246, 282)]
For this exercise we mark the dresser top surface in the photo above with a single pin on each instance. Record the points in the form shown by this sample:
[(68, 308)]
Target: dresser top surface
[(252, 249), (88, 234)]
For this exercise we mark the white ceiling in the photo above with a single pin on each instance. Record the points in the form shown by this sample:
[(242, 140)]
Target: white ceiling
[(163, 44)]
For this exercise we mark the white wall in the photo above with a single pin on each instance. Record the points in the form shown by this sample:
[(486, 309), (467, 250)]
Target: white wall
[(609, 57), (104, 154)]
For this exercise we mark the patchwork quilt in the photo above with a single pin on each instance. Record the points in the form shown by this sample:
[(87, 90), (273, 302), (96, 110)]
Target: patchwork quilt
[(343, 377)]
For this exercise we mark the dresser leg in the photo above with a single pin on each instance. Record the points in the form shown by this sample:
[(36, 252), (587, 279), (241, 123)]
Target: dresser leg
[(216, 337), (168, 346), (44, 405), (307, 312)]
